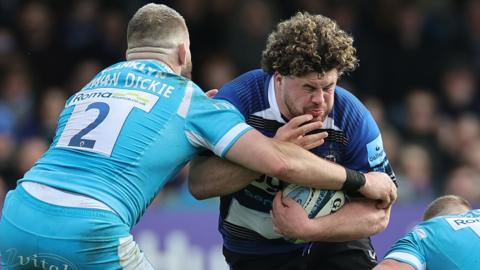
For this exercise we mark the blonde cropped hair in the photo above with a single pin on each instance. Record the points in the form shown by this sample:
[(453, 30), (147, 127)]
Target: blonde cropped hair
[(446, 205), (157, 28)]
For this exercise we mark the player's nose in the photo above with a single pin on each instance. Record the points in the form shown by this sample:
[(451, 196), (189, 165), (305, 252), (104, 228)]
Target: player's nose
[(317, 97)]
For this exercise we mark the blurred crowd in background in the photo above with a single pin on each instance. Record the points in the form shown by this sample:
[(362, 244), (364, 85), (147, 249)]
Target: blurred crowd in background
[(418, 74)]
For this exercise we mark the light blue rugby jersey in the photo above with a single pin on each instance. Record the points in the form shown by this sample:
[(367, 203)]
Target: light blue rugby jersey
[(442, 243), (130, 130)]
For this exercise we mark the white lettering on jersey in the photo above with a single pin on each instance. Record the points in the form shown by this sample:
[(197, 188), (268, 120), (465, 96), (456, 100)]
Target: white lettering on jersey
[(106, 80), (135, 81), (459, 223)]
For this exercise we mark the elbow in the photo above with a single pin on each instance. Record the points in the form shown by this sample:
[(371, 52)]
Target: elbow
[(197, 191), (199, 196)]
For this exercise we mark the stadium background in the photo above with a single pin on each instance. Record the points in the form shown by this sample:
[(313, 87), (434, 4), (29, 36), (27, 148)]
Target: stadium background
[(419, 64)]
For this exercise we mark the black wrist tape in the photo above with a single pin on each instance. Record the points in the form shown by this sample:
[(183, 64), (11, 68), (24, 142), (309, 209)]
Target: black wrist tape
[(355, 180)]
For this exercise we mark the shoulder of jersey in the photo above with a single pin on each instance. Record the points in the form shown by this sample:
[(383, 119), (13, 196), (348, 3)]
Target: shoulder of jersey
[(347, 104), (251, 79)]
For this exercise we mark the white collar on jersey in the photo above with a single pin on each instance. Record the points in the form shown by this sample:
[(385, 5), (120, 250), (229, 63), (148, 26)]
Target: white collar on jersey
[(272, 100)]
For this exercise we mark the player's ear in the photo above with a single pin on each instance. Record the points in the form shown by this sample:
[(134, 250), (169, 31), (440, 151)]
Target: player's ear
[(277, 77), (182, 53)]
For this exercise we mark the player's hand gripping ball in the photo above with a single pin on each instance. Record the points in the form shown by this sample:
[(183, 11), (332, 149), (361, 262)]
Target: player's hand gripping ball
[(316, 202)]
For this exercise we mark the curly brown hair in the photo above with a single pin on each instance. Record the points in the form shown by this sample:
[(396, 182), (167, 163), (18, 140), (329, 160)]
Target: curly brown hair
[(308, 43)]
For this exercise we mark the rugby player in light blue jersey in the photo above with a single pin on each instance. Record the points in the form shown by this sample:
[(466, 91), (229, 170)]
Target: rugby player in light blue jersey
[(130, 129), (447, 239)]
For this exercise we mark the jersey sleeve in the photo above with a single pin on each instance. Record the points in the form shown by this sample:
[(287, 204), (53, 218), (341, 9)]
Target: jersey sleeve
[(366, 152), (210, 123), (228, 93), (409, 250), (247, 92)]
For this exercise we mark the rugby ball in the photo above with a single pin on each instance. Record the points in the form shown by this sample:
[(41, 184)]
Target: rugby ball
[(316, 202)]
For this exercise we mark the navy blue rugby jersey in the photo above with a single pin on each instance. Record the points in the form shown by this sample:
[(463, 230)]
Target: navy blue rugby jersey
[(353, 141)]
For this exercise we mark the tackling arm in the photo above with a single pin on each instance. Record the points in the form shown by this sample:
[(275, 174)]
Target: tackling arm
[(283, 160), (293, 164), (390, 264), (211, 176)]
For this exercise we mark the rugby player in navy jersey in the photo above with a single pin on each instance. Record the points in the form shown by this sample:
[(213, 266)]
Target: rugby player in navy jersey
[(297, 87)]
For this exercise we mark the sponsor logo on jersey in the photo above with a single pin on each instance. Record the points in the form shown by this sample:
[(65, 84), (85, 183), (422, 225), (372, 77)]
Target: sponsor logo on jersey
[(46, 261), (458, 223), (466, 221), (138, 97), (375, 152)]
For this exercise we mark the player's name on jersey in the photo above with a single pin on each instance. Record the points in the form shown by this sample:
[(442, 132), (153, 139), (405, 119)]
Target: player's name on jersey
[(142, 67), (131, 80), (105, 80), (139, 82)]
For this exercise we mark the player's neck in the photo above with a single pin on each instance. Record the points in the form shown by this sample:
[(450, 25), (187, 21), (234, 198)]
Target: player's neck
[(154, 56)]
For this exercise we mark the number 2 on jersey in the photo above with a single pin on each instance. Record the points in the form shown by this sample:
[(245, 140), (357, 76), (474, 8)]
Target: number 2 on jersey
[(78, 140), (98, 117)]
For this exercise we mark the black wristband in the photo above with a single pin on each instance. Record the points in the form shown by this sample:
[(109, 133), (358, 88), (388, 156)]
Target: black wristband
[(355, 180)]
